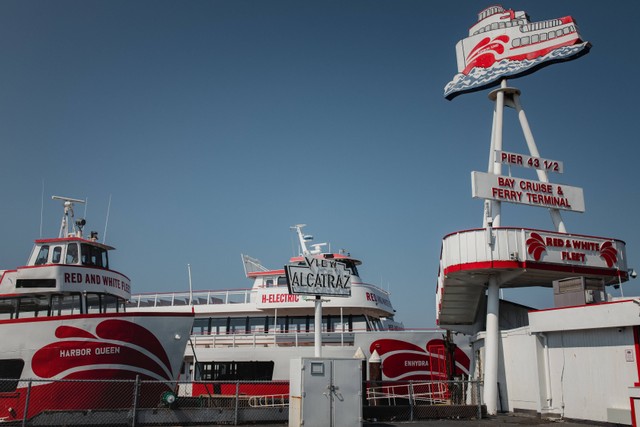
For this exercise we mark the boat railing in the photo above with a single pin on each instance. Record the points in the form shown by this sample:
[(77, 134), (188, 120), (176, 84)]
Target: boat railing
[(272, 339), (430, 392), (234, 296), (269, 401), (172, 299)]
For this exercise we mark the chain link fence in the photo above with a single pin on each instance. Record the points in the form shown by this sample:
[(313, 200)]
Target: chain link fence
[(154, 403)]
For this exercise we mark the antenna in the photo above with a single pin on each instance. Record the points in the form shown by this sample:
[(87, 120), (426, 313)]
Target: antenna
[(106, 222), (41, 207), (190, 288)]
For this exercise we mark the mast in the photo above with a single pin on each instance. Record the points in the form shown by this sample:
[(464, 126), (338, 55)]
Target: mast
[(67, 217)]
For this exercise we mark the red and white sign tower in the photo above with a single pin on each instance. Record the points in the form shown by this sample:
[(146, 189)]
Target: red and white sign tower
[(503, 43)]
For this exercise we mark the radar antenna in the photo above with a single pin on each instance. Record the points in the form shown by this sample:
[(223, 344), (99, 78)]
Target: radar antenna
[(68, 217), (304, 238)]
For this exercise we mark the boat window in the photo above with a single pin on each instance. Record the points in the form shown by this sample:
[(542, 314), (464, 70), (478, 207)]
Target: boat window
[(502, 25), (72, 253), (57, 254), (558, 33), (235, 371), (93, 255), (351, 266), (376, 325), (269, 283), (10, 372), (219, 326), (104, 303), (552, 35), (238, 325), (543, 37), (494, 26), (256, 324), (525, 40), (36, 283), (283, 324), (282, 281), (330, 322), (43, 255), (112, 304), (566, 30), (93, 303), (515, 42), (535, 38), (202, 326), (7, 308), (33, 306), (358, 323), (298, 324), (65, 304)]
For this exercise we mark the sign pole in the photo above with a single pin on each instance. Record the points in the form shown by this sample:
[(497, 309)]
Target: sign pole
[(317, 333), (319, 274)]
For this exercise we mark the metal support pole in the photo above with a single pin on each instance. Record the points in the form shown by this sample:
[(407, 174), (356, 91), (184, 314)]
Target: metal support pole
[(317, 332), (558, 222), (136, 392), (235, 415), (479, 400), (26, 405), (411, 400), (496, 144), (491, 346)]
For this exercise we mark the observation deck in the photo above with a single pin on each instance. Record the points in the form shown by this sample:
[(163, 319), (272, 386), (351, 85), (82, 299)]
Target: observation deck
[(518, 257)]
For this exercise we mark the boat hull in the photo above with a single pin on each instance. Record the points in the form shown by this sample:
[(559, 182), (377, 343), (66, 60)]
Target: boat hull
[(419, 355), (66, 362)]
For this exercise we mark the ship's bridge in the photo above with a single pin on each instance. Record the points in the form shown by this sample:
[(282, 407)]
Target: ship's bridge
[(518, 257)]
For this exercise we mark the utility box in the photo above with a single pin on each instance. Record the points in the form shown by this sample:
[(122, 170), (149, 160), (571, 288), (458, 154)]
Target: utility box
[(578, 291), (325, 392)]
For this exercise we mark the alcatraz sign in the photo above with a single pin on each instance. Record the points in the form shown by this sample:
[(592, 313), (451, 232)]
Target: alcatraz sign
[(319, 277)]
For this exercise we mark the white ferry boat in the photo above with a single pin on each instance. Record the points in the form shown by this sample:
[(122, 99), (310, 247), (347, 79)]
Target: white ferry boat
[(251, 334), (63, 317), (504, 34)]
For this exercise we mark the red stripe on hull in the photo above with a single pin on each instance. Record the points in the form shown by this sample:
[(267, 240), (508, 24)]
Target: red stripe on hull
[(81, 395)]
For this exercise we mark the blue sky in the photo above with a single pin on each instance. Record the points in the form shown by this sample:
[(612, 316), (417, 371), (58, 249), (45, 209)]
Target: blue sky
[(216, 125)]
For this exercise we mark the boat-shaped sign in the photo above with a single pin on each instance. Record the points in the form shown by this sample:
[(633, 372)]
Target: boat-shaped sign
[(503, 43)]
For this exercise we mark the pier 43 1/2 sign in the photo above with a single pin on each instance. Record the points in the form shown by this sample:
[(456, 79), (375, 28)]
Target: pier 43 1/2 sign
[(319, 277)]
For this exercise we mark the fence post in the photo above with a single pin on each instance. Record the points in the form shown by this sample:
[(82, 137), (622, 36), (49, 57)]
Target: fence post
[(411, 401), (235, 415), (26, 405), (135, 400), (479, 400)]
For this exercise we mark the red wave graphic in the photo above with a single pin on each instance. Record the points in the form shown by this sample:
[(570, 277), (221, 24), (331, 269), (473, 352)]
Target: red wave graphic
[(58, 357), (403, 363), (72, 332), (415, 363), (536, 246), (121, 330), (387, 345), (483, 54), (609, 254)]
